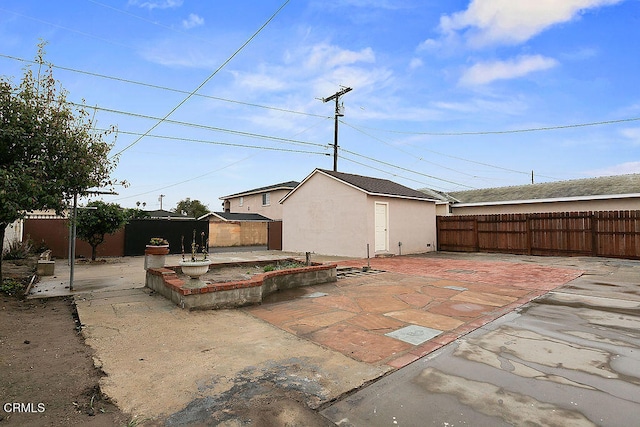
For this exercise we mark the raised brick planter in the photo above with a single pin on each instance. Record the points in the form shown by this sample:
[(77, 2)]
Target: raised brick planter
[(166, 282)]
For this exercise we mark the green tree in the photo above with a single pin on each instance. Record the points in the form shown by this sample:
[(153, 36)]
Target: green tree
[(97, 220), (135, 213), (48, 149), (193, 208)]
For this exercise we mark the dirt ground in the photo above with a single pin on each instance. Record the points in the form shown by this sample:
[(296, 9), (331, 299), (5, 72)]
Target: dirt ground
[(45, 366), (47, 369)]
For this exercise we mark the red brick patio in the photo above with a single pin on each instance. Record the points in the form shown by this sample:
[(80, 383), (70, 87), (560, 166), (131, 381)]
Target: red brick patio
[(454, 296)]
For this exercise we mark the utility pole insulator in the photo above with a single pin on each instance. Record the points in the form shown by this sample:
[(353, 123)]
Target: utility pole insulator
[(338, 113)]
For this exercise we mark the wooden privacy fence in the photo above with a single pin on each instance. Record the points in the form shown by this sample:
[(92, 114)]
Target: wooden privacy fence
[(605, 234)]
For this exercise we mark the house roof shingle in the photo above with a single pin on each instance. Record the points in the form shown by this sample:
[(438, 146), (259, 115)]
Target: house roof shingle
[(289, 185), (377, 186), (601, 186)]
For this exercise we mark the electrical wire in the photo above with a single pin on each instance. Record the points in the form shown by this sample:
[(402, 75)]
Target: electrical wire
[(233, 55), (66, 28), (442, 154), (405, 151), (404, 169), (199, 126), (185, 181), (381, 170), (228, 144), (165, 88), (502, 132)]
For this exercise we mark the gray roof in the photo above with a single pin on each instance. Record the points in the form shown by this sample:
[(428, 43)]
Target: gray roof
[(602, 186), (161, 213), (230, 216), (377, 185), (289, 185)]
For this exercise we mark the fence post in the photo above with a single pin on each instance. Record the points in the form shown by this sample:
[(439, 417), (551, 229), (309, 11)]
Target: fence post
[(527, 221), (594, 233), (475, 234)]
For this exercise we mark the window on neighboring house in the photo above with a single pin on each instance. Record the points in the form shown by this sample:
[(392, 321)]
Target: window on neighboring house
[(266, 199), (241, 201)]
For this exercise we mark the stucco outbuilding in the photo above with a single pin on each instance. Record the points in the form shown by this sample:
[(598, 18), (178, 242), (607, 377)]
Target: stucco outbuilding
[(336, 213)]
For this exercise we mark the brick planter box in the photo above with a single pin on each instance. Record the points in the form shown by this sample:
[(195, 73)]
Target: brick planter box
[(166, 282)]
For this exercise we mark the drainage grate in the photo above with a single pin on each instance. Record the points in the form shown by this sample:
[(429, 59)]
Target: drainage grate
[(344, 272)]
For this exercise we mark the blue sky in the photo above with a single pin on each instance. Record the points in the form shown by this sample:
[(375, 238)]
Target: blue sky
[(442, 91)]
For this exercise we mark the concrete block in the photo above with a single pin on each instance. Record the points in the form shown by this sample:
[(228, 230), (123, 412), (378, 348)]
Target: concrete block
[(46, 268)]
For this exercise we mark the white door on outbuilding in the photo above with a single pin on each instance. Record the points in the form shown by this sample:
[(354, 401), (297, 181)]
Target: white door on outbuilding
[(381, 227)]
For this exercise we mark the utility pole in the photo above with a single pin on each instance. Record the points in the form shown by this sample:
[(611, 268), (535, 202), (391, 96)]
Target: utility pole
[(336, 96), (160, 199)]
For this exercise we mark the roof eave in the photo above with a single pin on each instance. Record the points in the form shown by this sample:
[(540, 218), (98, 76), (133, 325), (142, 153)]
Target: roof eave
[(252, 192), (550, 200)]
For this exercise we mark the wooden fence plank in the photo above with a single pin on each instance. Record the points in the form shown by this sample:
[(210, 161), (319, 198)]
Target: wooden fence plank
[(610, 234)]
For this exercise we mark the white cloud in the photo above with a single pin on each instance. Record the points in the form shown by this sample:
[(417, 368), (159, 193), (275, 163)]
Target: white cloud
[(259, 81), (415, 63), (621, 169), (429, 44), (180, 53), (159, 4), (487, 72), (632, 134), (328, 56), (513, 21), (193, 21)]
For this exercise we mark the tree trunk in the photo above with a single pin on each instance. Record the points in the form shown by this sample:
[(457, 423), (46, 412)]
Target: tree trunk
[(3, 226), (94, 250)]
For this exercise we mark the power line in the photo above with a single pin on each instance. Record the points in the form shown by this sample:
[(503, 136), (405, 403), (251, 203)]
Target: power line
[(67, 28), (185, 181), (217, 129), (404, 169), (165, 88), (405, 151), (501, 132), (445, 155), (233, 55), (382, 170), (228, 144)]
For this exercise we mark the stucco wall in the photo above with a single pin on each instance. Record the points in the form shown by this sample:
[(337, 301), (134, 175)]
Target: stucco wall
[(568, 206), (325, 217), (12, 233), (411, 222), (330, 218), (253, 204)]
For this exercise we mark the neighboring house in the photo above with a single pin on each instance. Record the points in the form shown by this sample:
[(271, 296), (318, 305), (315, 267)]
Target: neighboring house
[(609, 193), (236, 229), (336, 213), (263, 200)]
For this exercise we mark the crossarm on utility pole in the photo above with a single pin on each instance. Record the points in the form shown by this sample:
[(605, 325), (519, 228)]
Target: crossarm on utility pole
[(336, 96)]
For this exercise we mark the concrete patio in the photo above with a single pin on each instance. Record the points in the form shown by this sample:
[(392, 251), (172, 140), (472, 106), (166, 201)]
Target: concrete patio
[(313, 345)]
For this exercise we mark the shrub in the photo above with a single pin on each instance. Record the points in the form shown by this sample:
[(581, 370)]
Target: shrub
[(17, 249), (12, 287)]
